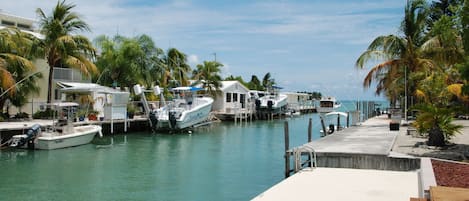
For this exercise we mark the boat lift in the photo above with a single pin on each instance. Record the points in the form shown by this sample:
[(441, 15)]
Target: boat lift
[(140, 91)]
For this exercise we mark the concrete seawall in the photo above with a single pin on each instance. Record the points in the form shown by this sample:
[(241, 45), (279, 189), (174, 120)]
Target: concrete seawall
[(367, 161)]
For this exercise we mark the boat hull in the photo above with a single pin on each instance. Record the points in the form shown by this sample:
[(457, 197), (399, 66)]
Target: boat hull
[(82, 135), (188, 118), (279, 104)]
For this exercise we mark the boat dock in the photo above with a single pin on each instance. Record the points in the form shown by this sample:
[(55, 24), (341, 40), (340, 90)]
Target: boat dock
[(10, 128), (367, 146), (353, 164)]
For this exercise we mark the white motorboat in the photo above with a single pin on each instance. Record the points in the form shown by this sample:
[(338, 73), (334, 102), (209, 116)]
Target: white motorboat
[(328, 104), (61, 134), (272, 102), (332, 117), (186, 110)]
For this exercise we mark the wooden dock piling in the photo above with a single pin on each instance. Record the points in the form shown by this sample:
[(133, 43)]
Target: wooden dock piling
[(323, 127), (287, 147)]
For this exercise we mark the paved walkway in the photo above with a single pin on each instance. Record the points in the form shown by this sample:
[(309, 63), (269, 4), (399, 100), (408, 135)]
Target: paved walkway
[(372, 137), (345, 184)]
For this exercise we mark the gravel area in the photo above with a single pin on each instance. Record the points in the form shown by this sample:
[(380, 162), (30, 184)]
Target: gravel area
[(451, 174), (415, 145)]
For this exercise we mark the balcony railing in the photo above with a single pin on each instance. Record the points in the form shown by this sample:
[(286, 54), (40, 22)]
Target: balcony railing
[(69, 74)]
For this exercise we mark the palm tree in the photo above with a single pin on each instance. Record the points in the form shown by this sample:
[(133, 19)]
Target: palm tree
[(400, 55), (177, 67), (14, 51), (435, 116), (16, 78), (208, 74), (152, 60), (267, 81), (60, 46)]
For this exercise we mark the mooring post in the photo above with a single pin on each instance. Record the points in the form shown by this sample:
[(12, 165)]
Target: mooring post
[(310, 130), (287, 155), (338, 122), (348, 119), (323, 127)]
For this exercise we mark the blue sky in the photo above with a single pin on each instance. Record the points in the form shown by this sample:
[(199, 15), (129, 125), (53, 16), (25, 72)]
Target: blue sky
[(305, 45)]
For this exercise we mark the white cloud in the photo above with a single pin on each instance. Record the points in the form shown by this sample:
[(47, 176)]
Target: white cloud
[(193, 60), (225, 71)]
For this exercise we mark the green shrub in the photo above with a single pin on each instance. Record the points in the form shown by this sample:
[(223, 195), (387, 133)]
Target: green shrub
[(46, 114), (21, 115)]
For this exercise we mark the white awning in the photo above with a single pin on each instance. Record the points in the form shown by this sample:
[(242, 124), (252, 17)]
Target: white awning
[(86, 87)]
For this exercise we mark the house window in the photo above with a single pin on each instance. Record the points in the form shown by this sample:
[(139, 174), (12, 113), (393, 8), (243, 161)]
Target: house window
[(24, 26), (8, 23), (242, 99), (228, 97), (235, 97)]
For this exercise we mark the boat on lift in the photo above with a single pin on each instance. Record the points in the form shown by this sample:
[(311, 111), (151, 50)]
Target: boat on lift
[(186, 110), (63, 133), (272, 101), (328, 104)]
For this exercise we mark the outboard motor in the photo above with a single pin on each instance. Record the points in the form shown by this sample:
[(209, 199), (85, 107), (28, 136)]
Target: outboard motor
[(258, 104), (172, 119), (154, 119), (270, 103), (20, 140), (331, 129)]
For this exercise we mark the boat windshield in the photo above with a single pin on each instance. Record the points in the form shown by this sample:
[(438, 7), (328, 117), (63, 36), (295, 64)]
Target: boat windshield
[(326, 104)]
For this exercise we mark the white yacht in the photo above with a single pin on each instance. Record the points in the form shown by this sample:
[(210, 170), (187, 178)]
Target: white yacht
[(328, 104), (61, 134), (272, 101), (186, 110)]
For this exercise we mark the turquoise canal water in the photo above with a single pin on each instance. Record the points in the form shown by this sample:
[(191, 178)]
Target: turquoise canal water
[(225, 161)]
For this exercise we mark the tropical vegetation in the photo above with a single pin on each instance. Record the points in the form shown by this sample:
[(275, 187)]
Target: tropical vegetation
[(116, 61), (426, 63), (16, 77), (61, 47)]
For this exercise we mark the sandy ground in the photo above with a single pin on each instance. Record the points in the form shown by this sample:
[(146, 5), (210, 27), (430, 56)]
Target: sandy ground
[(458, 148)]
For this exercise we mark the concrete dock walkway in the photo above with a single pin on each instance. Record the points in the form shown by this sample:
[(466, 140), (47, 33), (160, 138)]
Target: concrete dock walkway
[(331, 184), (372, 137), (367, 146), (353, 164)]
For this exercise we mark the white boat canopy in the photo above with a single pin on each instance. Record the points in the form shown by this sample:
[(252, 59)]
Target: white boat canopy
[(337, 113), (86, 87), (63, 104), (186, 89)]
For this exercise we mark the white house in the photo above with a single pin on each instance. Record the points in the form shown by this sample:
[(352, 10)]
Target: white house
[(233, 100), (108, 102), (299, 101)]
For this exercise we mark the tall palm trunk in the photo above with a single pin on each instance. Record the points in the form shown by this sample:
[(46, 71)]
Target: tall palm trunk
[(436, 137), (49, 91)]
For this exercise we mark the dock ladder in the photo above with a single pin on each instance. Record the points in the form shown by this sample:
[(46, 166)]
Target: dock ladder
[(298, 160)]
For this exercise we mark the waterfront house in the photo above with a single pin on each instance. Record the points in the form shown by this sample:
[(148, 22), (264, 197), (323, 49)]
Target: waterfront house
[(233, 101)]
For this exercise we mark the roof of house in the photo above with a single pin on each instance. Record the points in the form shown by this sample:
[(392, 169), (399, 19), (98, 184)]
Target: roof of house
[(227, 84)]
